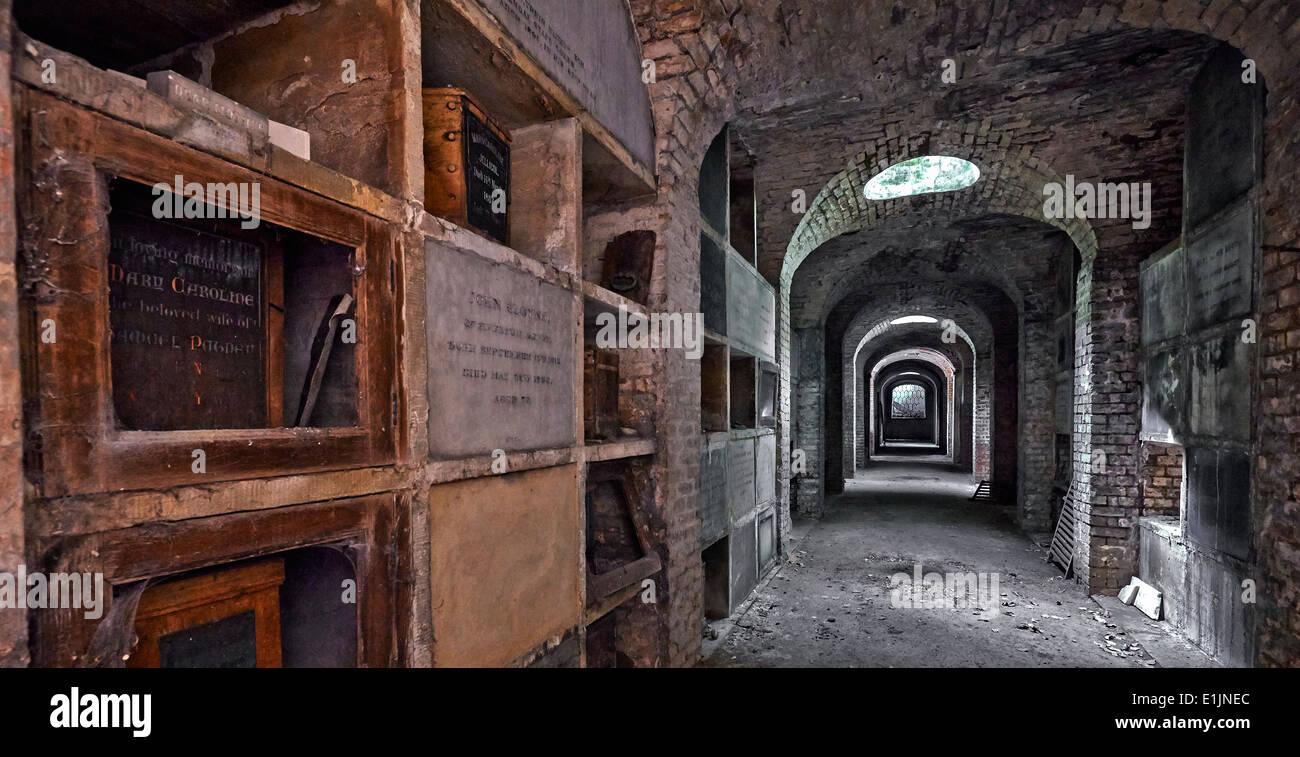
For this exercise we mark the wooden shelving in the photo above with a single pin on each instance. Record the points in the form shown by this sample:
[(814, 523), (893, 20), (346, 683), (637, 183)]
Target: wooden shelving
[(465, 46), (367, 167), (620, 449), (603, 299)]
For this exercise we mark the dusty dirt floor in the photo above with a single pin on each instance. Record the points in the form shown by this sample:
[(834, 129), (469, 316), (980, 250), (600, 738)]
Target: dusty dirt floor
[(829, 603)]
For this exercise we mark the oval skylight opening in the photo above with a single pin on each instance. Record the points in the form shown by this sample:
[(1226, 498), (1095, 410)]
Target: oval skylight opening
[(928, 173), (913, 319)]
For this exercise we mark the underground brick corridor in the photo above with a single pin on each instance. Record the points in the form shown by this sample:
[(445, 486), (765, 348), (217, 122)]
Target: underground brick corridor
[(830, 603), (691, 334)]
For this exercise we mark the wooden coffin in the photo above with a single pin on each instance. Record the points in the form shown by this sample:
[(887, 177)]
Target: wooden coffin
[(466, 164)]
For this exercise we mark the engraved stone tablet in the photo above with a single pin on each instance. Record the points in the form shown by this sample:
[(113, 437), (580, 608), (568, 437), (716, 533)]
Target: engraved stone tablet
[(744, 562), (713, 285), (766, 540), (501, 364), (1224, 135), (1220, 270), (1220, 387), (765, 470), (1164, 297), (1218, 499), (740, 478), (591, 50), (1164, 391), (194, 96), (751, 309), (713, 493), (1064, 403)]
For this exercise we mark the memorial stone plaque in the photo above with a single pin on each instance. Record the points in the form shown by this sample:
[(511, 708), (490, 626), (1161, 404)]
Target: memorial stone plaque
[(765, 470), (744, 562), (194, 96), (1164, 297), (751, 309), (713, 493), (740, 478), (1164, 391), (1224, 136), (1220, 388), (714, 177), (713, 285), (1218, 499), (501, 362), (1220, 270), (591, 50), (188, 340)]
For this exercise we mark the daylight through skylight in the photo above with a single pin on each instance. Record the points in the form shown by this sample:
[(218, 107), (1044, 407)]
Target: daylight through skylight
[(929, 173)]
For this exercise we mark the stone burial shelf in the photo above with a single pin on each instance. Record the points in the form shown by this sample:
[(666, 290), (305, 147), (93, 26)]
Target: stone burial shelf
[(345, 346), (518, 395), (738, 386)]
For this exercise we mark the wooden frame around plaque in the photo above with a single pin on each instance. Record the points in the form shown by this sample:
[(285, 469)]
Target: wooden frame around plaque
[(202, 600), (67, 156), (366, 528)]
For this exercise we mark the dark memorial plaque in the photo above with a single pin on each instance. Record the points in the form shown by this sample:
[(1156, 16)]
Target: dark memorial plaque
[(744, 561), (1065, 403), (1163, 397), (751, 309), (765, 470), (1224, 136), (1220, 401), (591, 49), (1220, 269), (713, 493), (1218, 499), (740, 478), (226, 643), (766, 540), (713, 285), (487, 175), (188, 340), (1164, 297)]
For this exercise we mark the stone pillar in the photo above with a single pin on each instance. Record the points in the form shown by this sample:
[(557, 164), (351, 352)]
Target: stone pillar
[(809, 402)]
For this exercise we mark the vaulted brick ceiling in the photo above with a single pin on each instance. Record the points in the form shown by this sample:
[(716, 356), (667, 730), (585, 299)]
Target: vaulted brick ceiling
[(1044, 88), (1014, 254), (1106, 108)]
